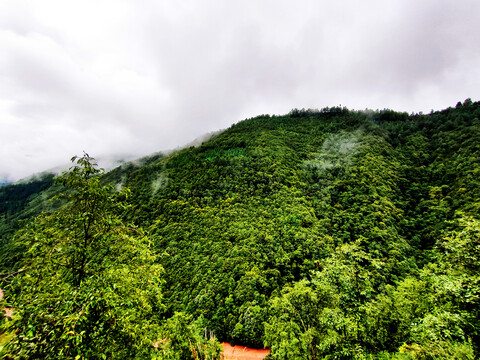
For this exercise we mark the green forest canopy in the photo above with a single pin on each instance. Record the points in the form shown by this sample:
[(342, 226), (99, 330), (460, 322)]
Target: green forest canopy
[(350, 234)]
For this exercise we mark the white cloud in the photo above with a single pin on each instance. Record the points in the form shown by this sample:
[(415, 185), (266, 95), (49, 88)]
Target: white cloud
[(129, 77)]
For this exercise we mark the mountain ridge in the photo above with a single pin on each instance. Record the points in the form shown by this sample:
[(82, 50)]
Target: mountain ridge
[(353, 213)]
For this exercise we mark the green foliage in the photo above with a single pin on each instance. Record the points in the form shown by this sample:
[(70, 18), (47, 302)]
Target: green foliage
[(321, 233), (19, 202), (182, 339), (88, 288), (304, 323)]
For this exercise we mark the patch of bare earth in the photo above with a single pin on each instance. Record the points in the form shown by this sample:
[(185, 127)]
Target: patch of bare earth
[(8, 311), (243, 353)]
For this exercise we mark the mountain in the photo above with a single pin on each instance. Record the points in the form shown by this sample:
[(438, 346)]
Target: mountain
[(317, 232)]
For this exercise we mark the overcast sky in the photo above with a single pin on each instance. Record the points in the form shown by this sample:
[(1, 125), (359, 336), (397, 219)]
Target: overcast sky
[(133, 77)]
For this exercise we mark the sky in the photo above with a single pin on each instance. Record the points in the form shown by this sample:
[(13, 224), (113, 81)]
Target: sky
[(127, 78)]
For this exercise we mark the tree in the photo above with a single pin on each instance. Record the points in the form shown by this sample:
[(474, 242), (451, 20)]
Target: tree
[(304, 322), (89, 287), (462, 263), (182, 339)]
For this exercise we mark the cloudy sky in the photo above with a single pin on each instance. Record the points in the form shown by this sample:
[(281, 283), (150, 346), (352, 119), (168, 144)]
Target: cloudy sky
[(133, 77)]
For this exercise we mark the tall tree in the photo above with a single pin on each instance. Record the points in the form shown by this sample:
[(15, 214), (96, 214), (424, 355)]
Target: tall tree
[(89, 288)]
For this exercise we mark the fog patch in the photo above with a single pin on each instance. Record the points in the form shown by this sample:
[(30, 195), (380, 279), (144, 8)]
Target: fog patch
[(197, 142), (338, 151), (110, 162), (160, 182)]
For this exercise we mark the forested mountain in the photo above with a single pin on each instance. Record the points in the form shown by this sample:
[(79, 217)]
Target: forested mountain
[(349, 234)]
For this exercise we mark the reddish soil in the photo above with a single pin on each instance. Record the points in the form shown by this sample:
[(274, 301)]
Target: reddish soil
[(8, 311), (243, 353)]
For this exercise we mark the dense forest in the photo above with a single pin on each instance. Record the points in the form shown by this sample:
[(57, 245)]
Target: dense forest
[(320, 234)]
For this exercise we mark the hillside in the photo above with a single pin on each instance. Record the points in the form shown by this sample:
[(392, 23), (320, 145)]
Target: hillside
[(314, 233)]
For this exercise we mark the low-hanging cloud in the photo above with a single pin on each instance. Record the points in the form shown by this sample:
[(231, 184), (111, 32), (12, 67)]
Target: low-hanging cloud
[(130, 78)]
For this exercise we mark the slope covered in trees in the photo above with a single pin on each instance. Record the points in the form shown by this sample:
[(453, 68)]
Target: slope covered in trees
[(353, 234), (19, 202)]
